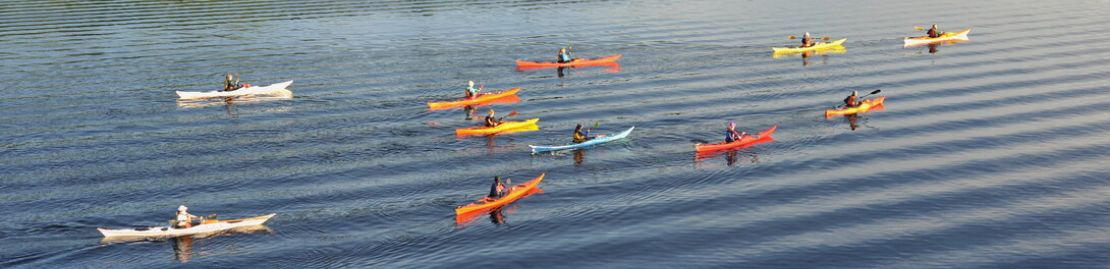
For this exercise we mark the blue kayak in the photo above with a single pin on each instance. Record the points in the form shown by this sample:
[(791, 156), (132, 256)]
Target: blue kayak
[(591, 142)]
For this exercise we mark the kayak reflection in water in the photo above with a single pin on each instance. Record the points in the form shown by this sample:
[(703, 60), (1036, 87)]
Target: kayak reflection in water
[(807, 41), (580, 136), (731, 134), (469, 110), (934, 32), (497, 217), (183, 248), (564, 56), (471, 92), (852, 100), (497, 189), (933, 48), (231, 83), (492, 121), (853, 121), (184, 219)]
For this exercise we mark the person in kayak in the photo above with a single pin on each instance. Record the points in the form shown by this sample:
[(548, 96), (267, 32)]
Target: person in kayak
[(564, 56), (231, 83), (581, 136), (807, 41), (497, 189), (852, 100), (184, 219), (934, 32), (471, 92), (731, 134), (492, 121)]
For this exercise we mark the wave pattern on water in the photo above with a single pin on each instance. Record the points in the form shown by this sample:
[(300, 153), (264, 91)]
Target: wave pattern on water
[(990, 153)]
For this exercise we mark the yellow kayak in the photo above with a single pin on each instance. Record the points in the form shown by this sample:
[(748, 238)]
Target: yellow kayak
[(950, 36), (864, 106), (504, 127), (818, 46)]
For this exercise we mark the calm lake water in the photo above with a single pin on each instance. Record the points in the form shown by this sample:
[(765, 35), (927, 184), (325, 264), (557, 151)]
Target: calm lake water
[(989, 153)]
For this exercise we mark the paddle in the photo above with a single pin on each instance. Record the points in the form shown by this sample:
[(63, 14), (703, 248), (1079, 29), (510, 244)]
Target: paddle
[(919, 28), (861, 97), (792, 37), (511, 114)]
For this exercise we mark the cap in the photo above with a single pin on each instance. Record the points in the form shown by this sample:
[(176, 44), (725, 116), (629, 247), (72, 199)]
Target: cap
[(182, 208)]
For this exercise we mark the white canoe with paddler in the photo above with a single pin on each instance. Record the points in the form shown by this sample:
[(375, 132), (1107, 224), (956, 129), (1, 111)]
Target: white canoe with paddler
[(276, 89), (167, 231)]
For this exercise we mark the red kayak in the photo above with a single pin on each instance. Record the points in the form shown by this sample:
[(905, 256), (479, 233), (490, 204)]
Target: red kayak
[(579, 62), (745, 141)]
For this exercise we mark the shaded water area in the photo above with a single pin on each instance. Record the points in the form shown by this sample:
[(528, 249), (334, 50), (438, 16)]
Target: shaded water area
[(989, 153)]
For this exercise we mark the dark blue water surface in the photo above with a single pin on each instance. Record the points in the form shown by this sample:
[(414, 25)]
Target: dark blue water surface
[(989, 153)]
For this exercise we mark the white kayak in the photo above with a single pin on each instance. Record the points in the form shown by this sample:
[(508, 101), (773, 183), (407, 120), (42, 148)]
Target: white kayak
[(591, 142), (166, 231), (272, 89)]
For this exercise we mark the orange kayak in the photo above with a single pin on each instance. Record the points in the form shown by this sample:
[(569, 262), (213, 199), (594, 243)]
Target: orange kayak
[(580, 62), (481, 99), (504, 127), (514, 193), (747, 140), (867, 105)]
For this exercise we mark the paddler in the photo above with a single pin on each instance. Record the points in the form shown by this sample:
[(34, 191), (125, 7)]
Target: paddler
[(497, 189), (184, 219), (492, 121), (564, 56), (807, 41), (231, 83), (934, 32), (731, 134), (852, 100), (471, 91), (579, 135)]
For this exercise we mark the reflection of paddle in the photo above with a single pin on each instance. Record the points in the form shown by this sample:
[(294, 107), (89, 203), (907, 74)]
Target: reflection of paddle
[(861, 97)]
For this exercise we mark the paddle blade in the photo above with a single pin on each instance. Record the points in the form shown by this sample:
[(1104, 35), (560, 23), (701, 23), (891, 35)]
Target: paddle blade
[(919, 28), (514, 113), (876, 91), (825, 38), (791, 37)]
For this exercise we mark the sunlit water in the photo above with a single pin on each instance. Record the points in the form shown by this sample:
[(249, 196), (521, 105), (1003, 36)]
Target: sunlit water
[(990, 153)]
